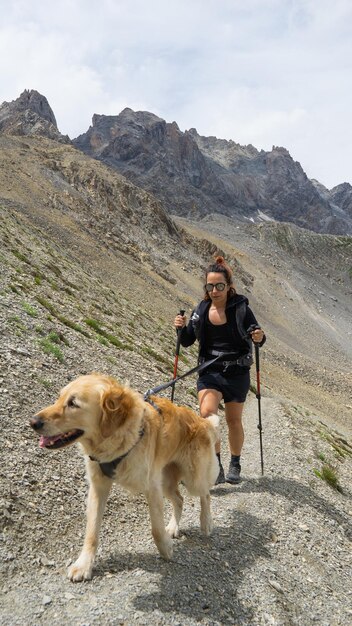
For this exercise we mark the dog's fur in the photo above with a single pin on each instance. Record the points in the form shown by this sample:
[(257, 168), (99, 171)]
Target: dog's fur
[(163, 447)]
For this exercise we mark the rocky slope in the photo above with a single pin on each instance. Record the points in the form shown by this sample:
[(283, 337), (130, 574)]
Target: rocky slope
[(280, 550), (93, 271)]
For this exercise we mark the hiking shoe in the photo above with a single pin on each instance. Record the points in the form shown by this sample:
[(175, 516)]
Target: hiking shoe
[(221, 476), (233, 475)]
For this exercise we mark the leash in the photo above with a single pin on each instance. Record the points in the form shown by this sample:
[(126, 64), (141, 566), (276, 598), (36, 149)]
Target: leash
[(198, 368)]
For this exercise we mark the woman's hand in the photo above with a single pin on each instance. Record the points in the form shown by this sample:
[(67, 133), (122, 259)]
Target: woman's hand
[(180, 321), (257, 335)]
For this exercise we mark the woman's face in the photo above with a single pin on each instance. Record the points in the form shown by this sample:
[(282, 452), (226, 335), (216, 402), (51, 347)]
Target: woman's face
[(217, 293)]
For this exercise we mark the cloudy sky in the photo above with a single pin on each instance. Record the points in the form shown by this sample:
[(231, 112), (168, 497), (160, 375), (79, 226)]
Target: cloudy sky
[(265, 72)]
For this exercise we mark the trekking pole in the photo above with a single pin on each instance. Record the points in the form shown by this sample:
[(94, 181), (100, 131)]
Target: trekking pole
[(258, 396), (177, 352)]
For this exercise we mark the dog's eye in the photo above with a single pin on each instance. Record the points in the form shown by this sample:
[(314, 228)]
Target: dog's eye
[(72, 403)]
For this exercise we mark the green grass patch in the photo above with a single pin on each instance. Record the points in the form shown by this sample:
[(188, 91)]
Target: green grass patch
[(64, 320), (329, 475), (116, 342), (19, 325), (15, 318), (54, 285), (158, 357), (46, 383), (30, 310), (96, 326), (54, 337), (50, 348), (103, 340), (54, 269), (14, 289), (338, 444), (20, 256), (57, 338)]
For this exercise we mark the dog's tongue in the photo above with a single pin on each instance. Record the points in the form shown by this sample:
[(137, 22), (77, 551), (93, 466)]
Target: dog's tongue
[(45, 441)]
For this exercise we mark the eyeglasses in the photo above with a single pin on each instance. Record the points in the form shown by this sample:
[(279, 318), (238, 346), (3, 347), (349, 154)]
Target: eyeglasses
[(218, 286)]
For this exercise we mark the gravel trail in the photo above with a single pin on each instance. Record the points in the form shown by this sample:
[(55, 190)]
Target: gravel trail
[(279, 554)]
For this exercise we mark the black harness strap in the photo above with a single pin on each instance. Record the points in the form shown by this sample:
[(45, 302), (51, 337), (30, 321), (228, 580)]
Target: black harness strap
[(108, 469)]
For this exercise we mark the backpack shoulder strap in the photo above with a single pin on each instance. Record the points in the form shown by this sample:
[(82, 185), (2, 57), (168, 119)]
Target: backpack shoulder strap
[(241, 310)]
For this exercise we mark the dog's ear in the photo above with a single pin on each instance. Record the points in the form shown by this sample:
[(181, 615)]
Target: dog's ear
[(116, 405)]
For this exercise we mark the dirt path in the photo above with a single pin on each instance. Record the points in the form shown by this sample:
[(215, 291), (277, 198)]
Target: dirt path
[(279, 554)]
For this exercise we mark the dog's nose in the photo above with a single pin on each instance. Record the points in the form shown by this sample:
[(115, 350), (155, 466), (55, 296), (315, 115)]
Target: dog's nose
[(37, 423)]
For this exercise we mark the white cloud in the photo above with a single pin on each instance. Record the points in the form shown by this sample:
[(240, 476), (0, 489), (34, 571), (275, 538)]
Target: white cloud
[(262, 71)]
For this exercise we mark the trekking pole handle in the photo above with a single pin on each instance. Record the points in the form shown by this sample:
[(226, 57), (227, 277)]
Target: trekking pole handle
[(181, 312), (252, 328)]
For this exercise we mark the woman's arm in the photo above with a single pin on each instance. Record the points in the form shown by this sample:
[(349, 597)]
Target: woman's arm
[(187, 337)]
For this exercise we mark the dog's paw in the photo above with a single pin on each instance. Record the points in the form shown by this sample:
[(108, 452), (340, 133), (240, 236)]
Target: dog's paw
[(207, 526), (172, 529), (80, 570), (166, 548)]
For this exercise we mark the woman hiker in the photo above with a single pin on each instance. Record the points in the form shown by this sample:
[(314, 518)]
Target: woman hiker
[(223, 323)]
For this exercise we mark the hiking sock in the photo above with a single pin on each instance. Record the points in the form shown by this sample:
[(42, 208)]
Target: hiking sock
[(221, 476), (235, 459)]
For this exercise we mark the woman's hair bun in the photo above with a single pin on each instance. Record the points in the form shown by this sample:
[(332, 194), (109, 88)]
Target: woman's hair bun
[(220, 260)]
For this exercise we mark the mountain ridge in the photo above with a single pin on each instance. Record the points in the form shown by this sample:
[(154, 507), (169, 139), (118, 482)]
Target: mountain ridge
[(191, 175), (194, 175)]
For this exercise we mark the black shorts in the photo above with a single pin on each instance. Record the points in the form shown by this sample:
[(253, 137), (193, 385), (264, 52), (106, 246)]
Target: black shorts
[(233, 386)]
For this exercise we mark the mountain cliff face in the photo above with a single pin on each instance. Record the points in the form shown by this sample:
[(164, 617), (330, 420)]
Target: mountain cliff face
[(157, 156), (195, 175)]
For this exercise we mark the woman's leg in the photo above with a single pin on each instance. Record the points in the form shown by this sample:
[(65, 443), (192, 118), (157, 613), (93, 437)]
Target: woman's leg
[(233, 413), (209, 400)]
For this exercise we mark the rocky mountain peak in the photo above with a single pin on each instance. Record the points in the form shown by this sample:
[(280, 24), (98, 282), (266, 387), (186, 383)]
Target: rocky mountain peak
[(342, 196), (127, 118), (29, 100), (141, 141), (30, 114), (144, 118)]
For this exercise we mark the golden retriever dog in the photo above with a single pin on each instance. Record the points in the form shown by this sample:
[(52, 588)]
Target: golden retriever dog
[(144, 447)]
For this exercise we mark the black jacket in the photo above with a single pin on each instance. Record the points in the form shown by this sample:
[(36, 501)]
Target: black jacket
[(239, 316)]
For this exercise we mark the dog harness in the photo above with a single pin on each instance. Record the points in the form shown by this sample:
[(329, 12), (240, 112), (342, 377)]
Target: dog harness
[(108, 469)]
